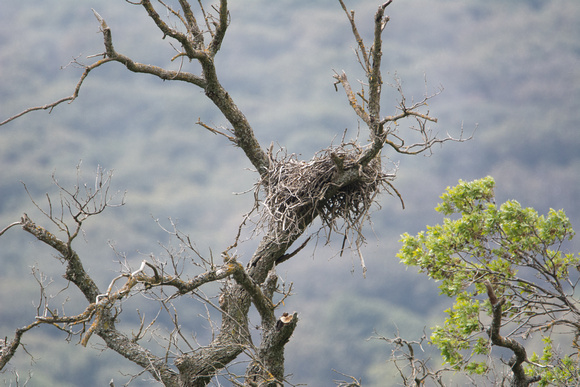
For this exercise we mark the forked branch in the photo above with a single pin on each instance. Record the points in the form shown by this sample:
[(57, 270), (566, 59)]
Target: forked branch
[(520, 379), (194, 48), (368, 110)]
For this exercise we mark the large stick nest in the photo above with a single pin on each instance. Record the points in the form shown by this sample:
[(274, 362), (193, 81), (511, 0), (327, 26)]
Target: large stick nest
[(297, 191)]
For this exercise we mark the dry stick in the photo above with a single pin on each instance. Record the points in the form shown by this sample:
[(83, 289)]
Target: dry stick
[(70, 98), (215, 131), (9, 226), (343, 80), (359, 40), (9, 348)]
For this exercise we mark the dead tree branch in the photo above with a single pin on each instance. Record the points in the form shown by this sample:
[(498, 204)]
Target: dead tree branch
[(368, 110), (68, 99), (411, 363)]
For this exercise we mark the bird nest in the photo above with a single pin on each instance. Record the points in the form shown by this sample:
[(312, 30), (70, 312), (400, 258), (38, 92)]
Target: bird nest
[(295, 192)]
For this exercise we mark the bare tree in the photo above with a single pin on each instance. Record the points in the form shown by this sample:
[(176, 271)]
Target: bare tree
[(339, 186)]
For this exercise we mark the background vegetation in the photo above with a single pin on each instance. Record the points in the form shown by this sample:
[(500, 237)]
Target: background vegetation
[(511, 68)]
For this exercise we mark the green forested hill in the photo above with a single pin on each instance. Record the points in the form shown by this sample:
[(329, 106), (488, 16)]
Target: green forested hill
[(511, 69)]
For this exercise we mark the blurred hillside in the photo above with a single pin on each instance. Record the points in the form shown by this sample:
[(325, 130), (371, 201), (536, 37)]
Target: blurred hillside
[(511, 69)]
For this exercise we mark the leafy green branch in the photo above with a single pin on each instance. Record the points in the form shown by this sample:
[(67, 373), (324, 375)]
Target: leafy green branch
[(514, 256)]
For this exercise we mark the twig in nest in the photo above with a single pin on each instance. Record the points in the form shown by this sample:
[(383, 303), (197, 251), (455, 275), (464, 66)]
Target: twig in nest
[(296, 191)]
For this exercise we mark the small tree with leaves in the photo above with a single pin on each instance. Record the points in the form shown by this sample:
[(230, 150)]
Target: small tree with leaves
[(513, 288), (339, 186)]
